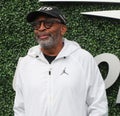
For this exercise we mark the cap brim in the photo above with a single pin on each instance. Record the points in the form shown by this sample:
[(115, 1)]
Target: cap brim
[(34, 15)]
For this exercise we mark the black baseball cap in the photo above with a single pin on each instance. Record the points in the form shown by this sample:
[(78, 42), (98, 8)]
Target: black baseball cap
[(50, 11)]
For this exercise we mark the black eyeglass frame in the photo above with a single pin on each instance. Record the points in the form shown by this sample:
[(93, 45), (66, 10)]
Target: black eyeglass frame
[(47, 23)]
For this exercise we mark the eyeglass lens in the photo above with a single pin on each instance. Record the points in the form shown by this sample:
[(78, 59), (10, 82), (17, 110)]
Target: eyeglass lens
[(47, 23)]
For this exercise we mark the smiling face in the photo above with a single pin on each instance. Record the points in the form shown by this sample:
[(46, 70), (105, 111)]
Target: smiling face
[(48, 31)]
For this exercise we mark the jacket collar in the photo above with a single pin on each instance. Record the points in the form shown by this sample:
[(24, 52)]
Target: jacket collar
[(69, 48)]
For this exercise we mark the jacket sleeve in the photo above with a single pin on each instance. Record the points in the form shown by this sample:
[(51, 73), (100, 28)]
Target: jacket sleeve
[(18, 107), (96, 95)]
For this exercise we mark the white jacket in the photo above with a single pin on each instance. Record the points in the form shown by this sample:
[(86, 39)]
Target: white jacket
[(70, 86)]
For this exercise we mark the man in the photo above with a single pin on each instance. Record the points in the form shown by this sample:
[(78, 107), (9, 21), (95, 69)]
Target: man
[(57, 77)]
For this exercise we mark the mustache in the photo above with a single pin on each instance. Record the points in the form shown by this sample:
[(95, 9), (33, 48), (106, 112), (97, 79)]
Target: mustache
[(42, 34), (38, 35)]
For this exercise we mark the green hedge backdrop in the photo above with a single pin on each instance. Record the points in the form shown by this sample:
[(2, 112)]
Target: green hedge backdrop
[(95, 34)]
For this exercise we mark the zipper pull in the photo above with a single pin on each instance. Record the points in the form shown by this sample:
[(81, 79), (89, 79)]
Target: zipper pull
[(49, 72)]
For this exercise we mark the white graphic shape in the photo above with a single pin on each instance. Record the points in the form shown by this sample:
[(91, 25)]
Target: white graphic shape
[(108, 1), (109, 13), (114, 67)]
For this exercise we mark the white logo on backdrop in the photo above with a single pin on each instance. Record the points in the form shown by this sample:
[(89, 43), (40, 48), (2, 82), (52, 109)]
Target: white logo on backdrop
[(108, 1), (113, 69), (109, 13)]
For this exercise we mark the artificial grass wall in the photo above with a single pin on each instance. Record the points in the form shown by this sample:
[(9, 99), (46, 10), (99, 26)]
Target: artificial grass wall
[(95, 34)]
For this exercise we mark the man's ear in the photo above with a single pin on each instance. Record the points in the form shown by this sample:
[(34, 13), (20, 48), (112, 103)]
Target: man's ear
[(63, 29)]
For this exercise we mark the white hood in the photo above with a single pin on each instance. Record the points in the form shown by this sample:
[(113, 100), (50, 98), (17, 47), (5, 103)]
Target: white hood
[(69, 47)]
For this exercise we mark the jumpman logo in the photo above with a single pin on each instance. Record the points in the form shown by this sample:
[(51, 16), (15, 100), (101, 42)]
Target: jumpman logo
[(64, 72)]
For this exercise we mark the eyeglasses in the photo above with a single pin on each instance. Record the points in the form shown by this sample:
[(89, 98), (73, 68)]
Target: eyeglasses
[(47, 23)]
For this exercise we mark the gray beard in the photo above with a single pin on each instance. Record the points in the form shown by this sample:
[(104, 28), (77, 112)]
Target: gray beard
[(47, 44)]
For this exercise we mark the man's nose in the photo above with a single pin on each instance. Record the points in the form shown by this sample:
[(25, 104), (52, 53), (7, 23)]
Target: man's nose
[(41, 27)]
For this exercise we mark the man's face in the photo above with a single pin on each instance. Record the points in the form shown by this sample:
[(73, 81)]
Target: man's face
[(48, 31)]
